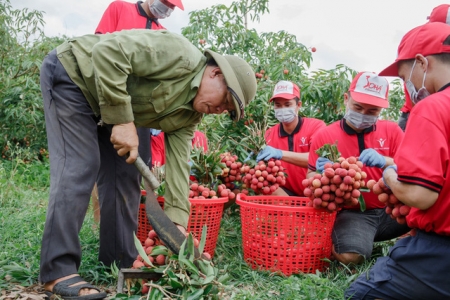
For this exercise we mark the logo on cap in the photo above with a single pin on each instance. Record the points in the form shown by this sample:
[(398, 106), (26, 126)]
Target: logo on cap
[(285, 90), (371, 89), (372, 86), (284, 87)]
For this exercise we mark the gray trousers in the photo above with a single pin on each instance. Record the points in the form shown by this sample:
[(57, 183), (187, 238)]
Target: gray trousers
[(79, 152)]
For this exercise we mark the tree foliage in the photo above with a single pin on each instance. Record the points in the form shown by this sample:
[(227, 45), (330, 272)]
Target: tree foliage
[(22, 48), (274, 56)]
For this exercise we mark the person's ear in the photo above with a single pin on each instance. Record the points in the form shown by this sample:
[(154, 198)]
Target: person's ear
[(422, 62), (216, 71), (346, 98)]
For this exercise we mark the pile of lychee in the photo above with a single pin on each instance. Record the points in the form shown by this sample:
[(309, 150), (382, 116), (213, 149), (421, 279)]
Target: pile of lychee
[(394, 207), (337, 186), (264, 178)]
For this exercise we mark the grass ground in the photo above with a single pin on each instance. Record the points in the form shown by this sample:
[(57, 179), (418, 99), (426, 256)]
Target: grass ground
[(23, 202)]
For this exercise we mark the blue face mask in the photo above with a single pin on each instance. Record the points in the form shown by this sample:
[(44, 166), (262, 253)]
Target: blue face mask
[(358, 120)]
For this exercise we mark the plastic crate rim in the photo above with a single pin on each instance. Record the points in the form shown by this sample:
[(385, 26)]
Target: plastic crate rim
[(244, 201)]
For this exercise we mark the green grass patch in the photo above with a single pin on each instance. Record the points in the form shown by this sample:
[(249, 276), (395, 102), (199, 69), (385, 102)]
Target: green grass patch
[(24, 196)]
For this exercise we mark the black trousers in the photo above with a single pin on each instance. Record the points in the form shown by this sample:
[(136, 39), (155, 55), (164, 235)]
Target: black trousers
[(80, 153)]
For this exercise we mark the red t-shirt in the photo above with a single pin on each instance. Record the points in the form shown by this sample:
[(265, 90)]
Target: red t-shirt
[(157, 146), (299, 141), (423, 159), (122, 15), (384, 137), (157, 149)]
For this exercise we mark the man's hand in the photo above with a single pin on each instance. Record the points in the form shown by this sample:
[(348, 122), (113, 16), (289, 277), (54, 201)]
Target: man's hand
[(372, 158), (268, 153), (125, 140), (320, 162)]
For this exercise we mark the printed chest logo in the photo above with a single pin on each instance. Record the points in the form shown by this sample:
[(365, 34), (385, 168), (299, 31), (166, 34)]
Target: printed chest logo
[(303, 141), (381, 143)]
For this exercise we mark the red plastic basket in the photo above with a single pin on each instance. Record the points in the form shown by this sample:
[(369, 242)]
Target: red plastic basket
[(143, 225), (282, 234), (206, 212), (203, 212)]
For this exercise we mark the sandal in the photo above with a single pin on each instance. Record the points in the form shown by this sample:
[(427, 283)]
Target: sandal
[(64, 290)]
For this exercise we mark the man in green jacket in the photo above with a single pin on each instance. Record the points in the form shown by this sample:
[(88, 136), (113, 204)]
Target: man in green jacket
[(127, 79)]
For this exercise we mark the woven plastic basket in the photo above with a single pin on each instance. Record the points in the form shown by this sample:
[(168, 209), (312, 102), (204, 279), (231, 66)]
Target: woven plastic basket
[(203, 212), (143, 225), (206, 212), (281, 234)]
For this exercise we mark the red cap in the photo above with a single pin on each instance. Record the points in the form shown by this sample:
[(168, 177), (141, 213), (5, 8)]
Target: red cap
[(441, 14), (427, 39), (369, 88), (285, 90), (176, 3)]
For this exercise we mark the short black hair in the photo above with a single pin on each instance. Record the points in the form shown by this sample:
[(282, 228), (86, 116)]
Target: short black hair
[(211, 62), (297, 100)]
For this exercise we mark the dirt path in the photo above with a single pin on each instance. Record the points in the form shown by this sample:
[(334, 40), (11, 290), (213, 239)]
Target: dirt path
[(36, 292)]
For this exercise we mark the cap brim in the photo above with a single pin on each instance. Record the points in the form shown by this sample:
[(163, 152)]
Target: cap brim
[(371, 100), (177, 3), (282, 96), (230, 78), (392, 70)]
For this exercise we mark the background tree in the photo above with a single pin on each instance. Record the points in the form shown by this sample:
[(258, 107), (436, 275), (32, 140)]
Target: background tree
[(274, 56), (23, 45)]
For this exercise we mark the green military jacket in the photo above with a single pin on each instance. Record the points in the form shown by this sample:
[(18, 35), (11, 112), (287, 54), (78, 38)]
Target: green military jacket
[(148, 77)]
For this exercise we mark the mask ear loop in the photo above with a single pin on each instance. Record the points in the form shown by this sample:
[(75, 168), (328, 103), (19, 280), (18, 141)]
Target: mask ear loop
[(409, 83), (425, 74)]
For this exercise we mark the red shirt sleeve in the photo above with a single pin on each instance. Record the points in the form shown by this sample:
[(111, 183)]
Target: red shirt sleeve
[(109, 20), (423, 154), (157, 148), (200, 140)]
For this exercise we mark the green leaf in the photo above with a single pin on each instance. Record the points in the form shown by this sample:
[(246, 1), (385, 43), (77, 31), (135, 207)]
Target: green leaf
[(182, 255), (190, 265), (190, 247), (224, 278), (195, 295), (175, 284), (155, 294), (201, 246), (160, 250), (140, 249), (171, 274), (208, 279), (362, 203), (207, 289)]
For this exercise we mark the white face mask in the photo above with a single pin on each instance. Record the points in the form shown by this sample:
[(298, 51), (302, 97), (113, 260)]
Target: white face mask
[(415, 95), (358, 120), (159, 10), (285, 114)]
